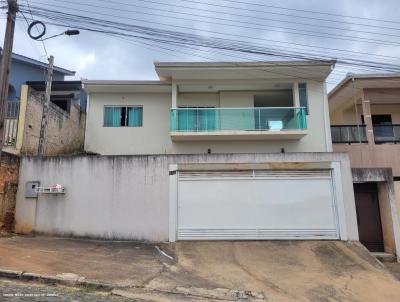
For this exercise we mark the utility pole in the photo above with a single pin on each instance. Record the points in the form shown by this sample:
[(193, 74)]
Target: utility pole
[(45, 114), (6, 63)]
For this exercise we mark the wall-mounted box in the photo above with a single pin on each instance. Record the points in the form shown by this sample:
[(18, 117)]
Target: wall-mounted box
[(30, 189), (50, 190)]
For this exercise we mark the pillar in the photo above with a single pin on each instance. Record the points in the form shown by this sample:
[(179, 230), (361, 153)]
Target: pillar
[(366, 107)]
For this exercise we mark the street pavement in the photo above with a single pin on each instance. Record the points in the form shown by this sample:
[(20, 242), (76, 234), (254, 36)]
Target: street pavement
[(13, 291), (202, 271)]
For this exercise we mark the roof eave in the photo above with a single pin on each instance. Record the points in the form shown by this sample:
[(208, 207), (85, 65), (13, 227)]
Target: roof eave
[(243, 64)]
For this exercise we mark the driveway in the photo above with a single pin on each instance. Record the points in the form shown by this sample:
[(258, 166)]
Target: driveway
[(211, 271)]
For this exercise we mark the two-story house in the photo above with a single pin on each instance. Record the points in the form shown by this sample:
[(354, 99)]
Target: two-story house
[(228, 150), (210, 151), (365, 118)]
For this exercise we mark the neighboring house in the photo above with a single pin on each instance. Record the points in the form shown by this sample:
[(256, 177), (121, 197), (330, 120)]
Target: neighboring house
[(25, 69), (23, 118), (365, 118), (66, 120), (212, 151)]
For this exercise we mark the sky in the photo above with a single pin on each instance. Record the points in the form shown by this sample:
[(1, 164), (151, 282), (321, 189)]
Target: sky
[(99, 56)]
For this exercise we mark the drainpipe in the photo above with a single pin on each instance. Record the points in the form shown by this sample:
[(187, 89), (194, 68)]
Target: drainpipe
[(328, 137)]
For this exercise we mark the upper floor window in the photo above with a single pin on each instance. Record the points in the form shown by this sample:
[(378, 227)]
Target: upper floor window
[(303, 97), (123, 116)]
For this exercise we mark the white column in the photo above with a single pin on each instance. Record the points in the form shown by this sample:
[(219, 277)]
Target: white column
[(173, 202), (296, 97), (174, 95)]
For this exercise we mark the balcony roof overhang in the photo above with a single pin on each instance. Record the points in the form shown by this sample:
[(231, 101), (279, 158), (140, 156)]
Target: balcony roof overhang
[(234, 135), (268, 70)]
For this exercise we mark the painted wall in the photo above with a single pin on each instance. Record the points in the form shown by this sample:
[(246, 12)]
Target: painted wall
[(154, 137), (349, 116), (127, 197), (385, 209), (383, 101), (374, 156), (22, 72), (397, 196)]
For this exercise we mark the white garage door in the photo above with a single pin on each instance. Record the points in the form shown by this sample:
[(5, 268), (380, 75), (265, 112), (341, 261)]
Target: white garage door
[(256, 204)]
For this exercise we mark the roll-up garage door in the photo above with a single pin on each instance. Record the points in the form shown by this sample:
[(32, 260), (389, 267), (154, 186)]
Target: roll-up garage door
[(256, 204)]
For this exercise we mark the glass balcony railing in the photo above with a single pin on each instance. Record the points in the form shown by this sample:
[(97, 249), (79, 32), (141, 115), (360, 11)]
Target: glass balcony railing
[(358, 134), (349, 134), (237, 119), (386, 133)]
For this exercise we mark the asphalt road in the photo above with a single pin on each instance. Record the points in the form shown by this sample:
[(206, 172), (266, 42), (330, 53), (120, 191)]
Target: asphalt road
[(12, 291)]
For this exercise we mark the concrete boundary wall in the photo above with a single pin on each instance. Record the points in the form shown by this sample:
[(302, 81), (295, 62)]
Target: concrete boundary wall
[(127, 197)]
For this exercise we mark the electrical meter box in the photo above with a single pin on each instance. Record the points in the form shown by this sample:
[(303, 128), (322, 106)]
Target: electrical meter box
[(30, 189)]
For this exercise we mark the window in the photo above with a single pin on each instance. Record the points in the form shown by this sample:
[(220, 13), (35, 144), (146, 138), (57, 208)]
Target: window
[(126, 116), (303, 96)]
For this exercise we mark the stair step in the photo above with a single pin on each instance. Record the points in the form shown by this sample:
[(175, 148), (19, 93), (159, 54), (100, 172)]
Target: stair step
[(385, 257)]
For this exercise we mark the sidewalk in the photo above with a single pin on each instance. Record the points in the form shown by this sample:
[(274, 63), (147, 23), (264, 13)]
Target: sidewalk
[(116, 263), (209, 271)]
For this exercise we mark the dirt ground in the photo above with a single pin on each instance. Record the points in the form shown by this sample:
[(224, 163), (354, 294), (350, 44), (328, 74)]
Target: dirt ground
[(211, 271)]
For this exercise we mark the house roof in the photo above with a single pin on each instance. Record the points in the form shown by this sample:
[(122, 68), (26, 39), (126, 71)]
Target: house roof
[(352, 84), (34, 62), (56, 85), (244, 64), (372, 81), (126, 86), (316, 69)]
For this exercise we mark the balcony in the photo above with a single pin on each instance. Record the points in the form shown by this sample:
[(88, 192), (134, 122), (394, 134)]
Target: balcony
[(11, 123), (347, 134), (283, 123), (386, 134)]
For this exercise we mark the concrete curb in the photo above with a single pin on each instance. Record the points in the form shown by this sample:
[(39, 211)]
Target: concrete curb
[(10, 274)]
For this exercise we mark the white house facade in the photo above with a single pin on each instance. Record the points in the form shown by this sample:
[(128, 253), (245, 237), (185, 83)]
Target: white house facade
[(212, 108)]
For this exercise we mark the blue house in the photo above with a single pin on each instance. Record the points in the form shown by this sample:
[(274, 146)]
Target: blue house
[(24, 70)]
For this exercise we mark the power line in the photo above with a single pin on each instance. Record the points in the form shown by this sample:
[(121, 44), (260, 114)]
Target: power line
[(178, 39), (262, 27), (277, 41), (186, 45), (119, 33), (310, 11), (44, 46), (213, 11), (266, 12), (287, 15), (378, 68), (34, 46)]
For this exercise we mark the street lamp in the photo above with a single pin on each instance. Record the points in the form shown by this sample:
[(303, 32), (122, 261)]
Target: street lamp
[(70, 32), (38, 37)]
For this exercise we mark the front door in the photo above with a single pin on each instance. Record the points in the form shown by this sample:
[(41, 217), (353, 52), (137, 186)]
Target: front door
[(368, 216)]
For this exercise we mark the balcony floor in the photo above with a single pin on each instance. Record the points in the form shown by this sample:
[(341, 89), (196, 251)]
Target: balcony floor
[(233, 135)]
